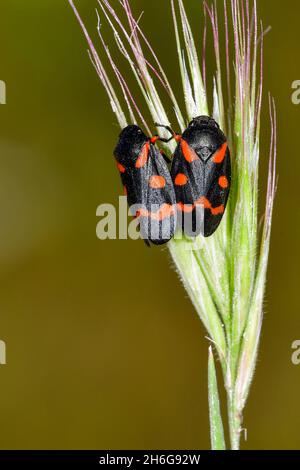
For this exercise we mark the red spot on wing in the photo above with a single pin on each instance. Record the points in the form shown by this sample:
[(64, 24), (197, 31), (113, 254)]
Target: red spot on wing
[(188, 153), (181, 179), (165, 210), (157, 182), (220, 154), (185, 207), (202, 201), (121, 168), (143, 157), (125, 191), (217, 210), (223, 182)]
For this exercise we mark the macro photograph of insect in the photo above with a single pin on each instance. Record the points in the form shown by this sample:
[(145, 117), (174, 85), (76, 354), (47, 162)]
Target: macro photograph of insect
[(150, 269)]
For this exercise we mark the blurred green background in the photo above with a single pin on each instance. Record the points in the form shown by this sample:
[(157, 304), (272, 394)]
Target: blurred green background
[(104, 349)]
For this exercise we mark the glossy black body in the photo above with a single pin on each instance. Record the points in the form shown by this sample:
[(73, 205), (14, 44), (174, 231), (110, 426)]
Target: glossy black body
[(202, 138), (131, 145)]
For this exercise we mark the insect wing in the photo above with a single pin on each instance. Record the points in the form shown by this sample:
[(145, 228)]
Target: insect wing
[(158, 203)]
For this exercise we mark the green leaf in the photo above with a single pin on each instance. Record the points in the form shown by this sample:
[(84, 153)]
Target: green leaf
[(216, 425)]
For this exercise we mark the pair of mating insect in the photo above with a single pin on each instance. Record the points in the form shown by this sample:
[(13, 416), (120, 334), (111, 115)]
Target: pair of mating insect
[(194, 191)]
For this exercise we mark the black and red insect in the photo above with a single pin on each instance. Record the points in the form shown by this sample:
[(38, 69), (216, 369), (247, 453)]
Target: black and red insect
[(201, 173), (147, 183)]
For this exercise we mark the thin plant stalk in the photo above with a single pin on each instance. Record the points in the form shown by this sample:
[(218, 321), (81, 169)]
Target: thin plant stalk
[(225, 274)]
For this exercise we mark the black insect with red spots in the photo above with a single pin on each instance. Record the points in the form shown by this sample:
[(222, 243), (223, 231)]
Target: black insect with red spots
[(147, 183), (201, 173)]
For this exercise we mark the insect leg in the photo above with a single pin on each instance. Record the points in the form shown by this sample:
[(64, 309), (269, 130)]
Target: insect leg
[(147, 243), (169, 129)]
